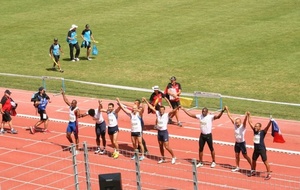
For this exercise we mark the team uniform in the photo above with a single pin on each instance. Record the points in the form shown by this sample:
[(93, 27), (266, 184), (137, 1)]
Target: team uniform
[(100, 126), (162, 127), (86, 33), (73, 43), (206, 128), (112, 123), (44, 100), (55, 49), (259, 145), (240, 144), (136, 125), (73, 122), (156, 97), (175, 102), (6, 108)]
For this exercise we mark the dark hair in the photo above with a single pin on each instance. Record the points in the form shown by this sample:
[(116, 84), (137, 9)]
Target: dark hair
[(111, 104), (162, 107), (137, 100), (91, 112)]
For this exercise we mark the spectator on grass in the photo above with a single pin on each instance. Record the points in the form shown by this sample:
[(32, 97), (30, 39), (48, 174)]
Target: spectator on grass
[(72, 40), (141, 108), (100, 126), (206, 133), (87, 35), (240, 144), (74, 114), (112, 127), (40, 101), (136, 127), (163, 134), (259, 146), (54, 51), (7, 109), (173, 91), (156, 101)]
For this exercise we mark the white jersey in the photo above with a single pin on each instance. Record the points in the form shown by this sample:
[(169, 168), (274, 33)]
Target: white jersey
[(162, 121), (136, 123), (205, 123), (72, 115), (98, 117), (112, 119), (239, 133)]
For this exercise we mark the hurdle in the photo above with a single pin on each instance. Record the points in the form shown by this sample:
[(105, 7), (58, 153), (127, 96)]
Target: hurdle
[(200, 94)]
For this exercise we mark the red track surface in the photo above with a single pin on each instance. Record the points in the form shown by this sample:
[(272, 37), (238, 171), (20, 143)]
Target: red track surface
[(39, 162)]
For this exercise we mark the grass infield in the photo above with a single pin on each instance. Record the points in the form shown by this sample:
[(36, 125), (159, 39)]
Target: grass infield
[(238, 48)]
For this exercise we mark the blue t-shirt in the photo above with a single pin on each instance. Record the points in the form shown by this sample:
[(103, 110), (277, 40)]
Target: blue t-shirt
[(87, 34)]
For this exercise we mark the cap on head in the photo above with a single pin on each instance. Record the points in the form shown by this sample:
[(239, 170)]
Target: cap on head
[(173, 78), (73, 26), (155, 88), (41, 88), (8, 92)]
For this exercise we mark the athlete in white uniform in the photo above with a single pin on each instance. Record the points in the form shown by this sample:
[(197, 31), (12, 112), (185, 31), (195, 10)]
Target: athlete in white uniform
[(74, 114), (113, 129), (205, 120), (240, 144), (136, 127), (162, 128), (100, 126)]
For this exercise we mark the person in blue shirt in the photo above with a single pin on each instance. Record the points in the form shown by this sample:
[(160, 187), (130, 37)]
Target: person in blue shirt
[(72, 40), (54, 51), (41, 100), (87, 36)]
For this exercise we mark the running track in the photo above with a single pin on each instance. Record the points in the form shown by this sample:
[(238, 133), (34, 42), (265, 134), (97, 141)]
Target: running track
[(39, 162)]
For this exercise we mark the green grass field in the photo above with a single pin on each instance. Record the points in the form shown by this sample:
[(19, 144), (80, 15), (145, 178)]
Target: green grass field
[(239, 48)]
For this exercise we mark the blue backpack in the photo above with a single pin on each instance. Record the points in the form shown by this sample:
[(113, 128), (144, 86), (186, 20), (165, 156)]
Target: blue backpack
[(95, 50)]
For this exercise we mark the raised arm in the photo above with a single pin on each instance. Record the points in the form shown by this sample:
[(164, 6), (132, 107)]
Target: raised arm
[(219, 115), (250, 120), (64, 97), (245, 120), (229, 115), (189, 113), (148, 104), (268, 126), (174, 110), (122, 106)]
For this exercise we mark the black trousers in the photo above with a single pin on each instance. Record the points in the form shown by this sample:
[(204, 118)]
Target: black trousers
[(72, 50)]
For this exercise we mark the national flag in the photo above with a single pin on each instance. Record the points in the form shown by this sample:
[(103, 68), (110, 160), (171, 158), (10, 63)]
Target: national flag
[(276, 133)]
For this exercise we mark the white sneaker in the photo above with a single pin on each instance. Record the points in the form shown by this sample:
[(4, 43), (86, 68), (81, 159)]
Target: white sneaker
[(98, 151), (141, 158), (213, 164), (102, 151), (77, 59), (161, 161), (73, 60), (133, 157), (173, 160), (235, 169), (89, 59), (200, 164)]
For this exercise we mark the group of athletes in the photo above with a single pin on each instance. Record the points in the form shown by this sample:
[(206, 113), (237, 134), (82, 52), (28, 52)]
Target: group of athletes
[(135, 112)]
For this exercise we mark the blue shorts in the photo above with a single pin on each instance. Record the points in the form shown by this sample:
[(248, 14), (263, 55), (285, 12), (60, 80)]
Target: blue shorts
[(72, 127), (100, 129), (240, 147), (112, 130), (163, 135)]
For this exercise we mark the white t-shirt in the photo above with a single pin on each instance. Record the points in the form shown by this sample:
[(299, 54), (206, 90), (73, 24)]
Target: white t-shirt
[(98, 117), (205, 123), (239, 133), (136, 124), (162, 121), (112, 119), (72, 115)]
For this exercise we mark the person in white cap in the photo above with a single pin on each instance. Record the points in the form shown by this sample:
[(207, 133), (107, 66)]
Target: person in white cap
[(6, 106), (72, 40)]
